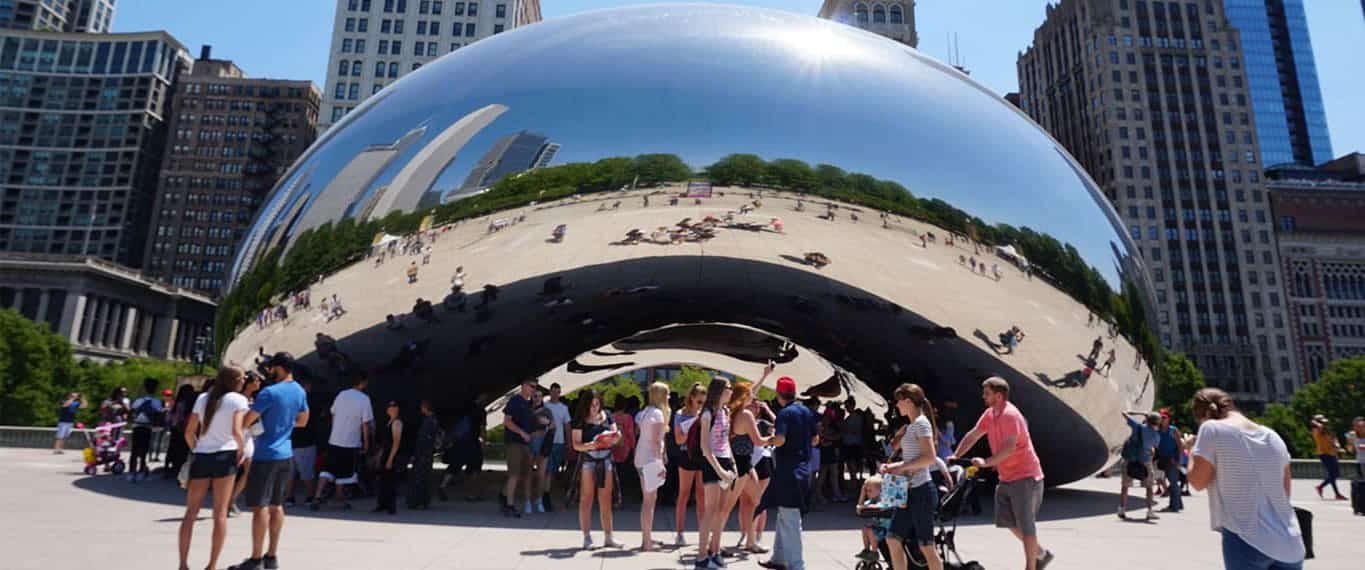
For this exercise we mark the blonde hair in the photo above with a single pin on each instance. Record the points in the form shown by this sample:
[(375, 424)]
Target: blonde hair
[(658, 397), (867, 486)]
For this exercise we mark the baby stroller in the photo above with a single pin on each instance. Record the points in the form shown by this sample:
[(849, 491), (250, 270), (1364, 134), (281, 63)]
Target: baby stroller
[(950, 506), (104, 449)]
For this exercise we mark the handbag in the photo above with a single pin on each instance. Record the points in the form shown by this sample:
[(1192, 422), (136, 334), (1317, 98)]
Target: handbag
[(184, 476)]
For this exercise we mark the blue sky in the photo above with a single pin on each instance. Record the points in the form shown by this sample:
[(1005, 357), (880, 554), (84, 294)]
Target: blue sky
[(291, 42)]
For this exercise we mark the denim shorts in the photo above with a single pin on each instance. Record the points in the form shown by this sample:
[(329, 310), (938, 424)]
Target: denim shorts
[(1242, 556), (916, 521)]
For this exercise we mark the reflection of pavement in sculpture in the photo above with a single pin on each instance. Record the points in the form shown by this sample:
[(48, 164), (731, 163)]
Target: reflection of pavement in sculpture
[(886, 262)]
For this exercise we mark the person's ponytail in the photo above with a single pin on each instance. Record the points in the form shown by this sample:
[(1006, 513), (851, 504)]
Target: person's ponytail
[(229, 380)]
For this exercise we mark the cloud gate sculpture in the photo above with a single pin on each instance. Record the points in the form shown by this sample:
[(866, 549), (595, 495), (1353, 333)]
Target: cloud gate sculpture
[(705, 184)]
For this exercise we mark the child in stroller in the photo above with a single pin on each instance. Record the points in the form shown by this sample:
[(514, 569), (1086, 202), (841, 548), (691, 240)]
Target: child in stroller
[(104, 449), (954, 497)]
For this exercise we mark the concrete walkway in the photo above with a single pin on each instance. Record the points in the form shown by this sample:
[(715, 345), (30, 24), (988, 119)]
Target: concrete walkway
[(56, 517)]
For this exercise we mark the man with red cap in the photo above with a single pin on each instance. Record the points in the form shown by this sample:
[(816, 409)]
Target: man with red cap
[(794, 433)]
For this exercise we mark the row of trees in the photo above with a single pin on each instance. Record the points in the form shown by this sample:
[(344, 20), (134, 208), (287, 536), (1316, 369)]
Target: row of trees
[(37, 370)]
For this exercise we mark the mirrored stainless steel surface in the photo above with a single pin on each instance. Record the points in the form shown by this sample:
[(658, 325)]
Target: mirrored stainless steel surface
[(710, 184)]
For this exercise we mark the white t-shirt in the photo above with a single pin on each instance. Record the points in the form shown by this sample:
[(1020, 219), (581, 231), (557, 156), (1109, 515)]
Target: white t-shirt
[(1247, 494), (560, 413), (650, 444), (910, 449), (217, 436), (350, 410), (1359, 444)]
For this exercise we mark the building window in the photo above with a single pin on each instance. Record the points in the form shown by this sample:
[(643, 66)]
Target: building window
[(353, 92), (347, 46), (393, 70), (363, 25), (897, 16), (350, 25), (341, 90), (344, 68), (435, 29), (415, 66), (436, 7), (860, 14), (497, 29), (454, 47), (383, 47), (398, 26), (500, 11), (469, 28), (378, 69), (878, 14), (386, 26), (422, 28), (458, 9), (377, 87), (355, 68), (396, 47), (360, 46), (473, 8), (431, 49), (418, 48)]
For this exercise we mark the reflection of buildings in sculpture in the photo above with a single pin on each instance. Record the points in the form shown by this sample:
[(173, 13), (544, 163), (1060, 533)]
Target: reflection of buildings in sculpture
[(286, 227), (420, 173), (517, 152), (893, 19), (546, 156), (252, 248), (1205, 306), (354, 179), (1322, 252)]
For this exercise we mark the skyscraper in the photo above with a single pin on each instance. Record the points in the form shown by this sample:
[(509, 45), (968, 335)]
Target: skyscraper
[(91, 16), (83, 127), (374, 42), (1283, 79), (231, 137), (894, 19), (1152, 99)]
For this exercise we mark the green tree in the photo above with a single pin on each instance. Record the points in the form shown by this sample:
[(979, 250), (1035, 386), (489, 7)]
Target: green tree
[(1339, 394), (35, 370), (1292, 428), (1177, 381)]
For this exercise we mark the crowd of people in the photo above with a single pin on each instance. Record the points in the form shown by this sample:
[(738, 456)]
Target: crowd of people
[(251, 437)]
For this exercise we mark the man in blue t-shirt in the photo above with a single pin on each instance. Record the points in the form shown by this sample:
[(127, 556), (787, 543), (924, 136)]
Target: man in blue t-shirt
[(1137, 458), (66, 420), (279, 407), (794, 432)]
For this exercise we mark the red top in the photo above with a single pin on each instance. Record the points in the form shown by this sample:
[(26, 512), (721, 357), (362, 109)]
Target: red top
[(999, 426)]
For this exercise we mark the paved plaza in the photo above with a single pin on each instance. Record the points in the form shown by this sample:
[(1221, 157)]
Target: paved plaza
[(55, 517)]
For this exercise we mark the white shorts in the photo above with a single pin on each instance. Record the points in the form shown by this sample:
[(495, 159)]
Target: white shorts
[(64, 429), (305, 458), (652, 476)]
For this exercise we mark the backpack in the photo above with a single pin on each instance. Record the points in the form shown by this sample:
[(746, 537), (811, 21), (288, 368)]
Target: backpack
[(1132, 448), (147, 407), (694, 453)]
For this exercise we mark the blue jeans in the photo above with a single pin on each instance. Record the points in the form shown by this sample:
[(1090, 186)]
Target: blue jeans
[(1173, 485), (787, 543), (1238, 555), (556, 458)]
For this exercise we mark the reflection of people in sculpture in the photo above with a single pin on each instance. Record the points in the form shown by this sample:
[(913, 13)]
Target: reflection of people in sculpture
[(337, 309), (1095, 349), (325, 345), (457, 280), (426, 255), (412, 273), (1108, 362), (423, 310), (392, 323), (817, 259), (995, 269)]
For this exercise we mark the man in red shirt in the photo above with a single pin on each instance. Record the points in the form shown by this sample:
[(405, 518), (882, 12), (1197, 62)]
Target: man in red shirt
[(1020, 491)]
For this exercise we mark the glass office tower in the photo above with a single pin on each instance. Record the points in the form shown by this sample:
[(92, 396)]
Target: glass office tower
[(1290, 120)]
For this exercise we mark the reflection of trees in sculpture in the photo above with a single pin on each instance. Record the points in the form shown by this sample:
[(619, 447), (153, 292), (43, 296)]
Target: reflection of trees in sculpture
[(329, 248)]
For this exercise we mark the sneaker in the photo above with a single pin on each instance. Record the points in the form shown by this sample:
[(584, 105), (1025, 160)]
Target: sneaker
[(717, 561), (232, 510), (587, 542), (1123, 514), (527, 509), (611, 543), (680, 541), (248, 564), (702, 564), (867, 555), (1319, 490), (540, 507), (270, 562), (1342, 498), (290, 502), (758, 548), (1045, 559)]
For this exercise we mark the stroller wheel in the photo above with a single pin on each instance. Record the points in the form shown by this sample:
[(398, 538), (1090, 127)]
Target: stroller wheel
[(89, 469), (117, 467)]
